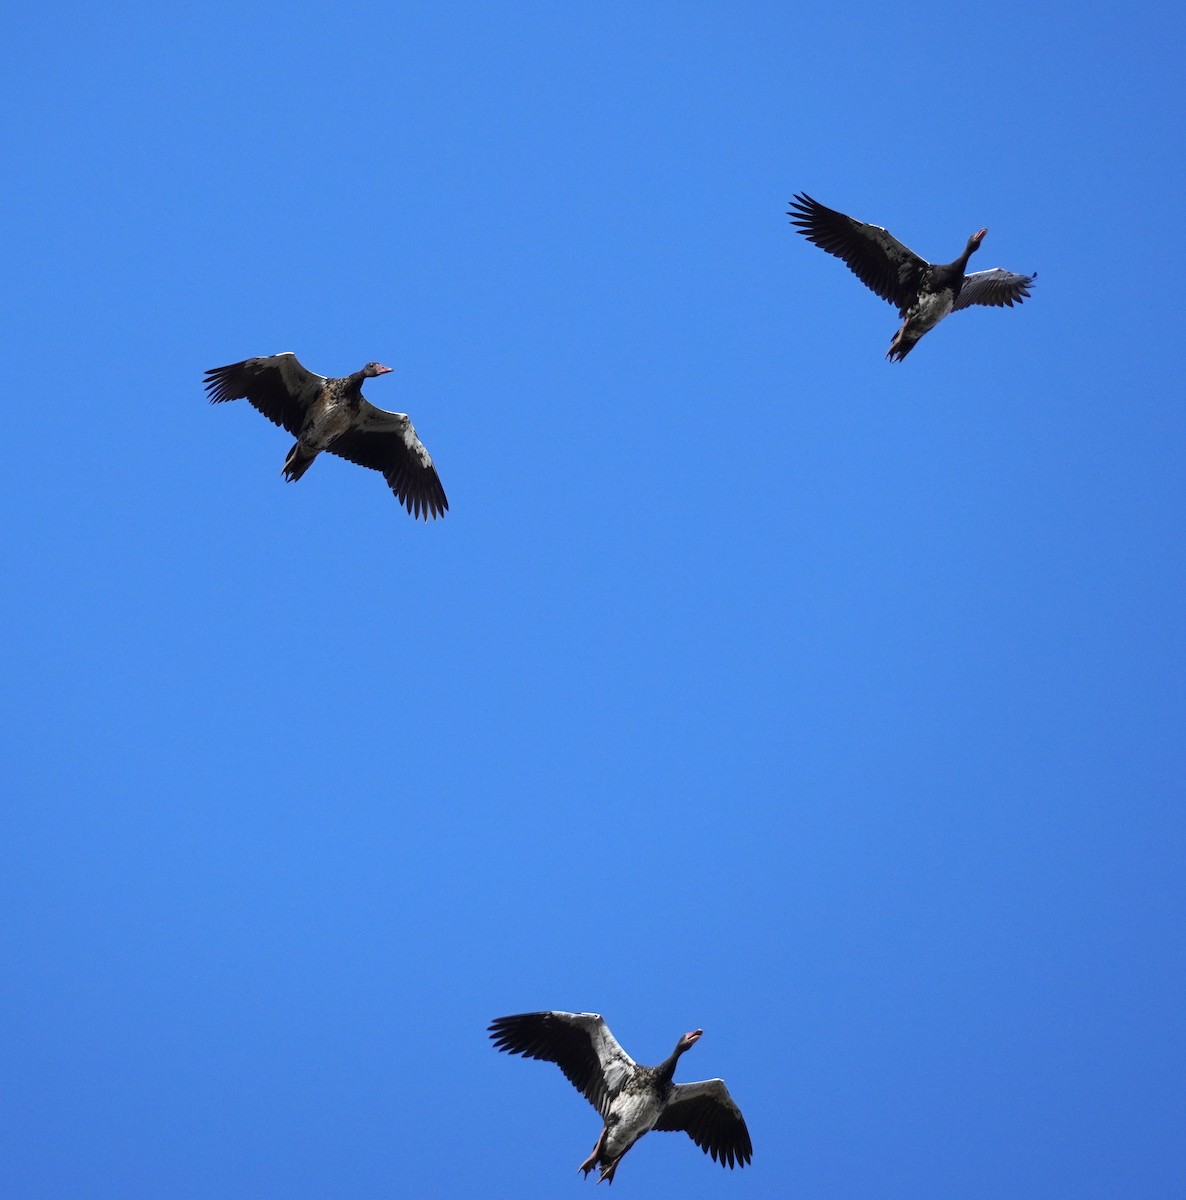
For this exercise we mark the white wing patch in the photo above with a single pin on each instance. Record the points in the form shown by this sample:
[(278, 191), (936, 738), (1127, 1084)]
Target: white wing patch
[(616, 1065), (297, 378), (379, 420), (415, 445)]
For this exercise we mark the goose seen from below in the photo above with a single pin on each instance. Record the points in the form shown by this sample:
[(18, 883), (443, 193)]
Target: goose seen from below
[(333, 415), (923, 293), (631, 1099)]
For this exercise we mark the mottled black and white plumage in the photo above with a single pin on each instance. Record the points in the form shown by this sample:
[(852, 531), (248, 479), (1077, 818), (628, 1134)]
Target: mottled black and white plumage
[(923, 293), (631, 1099), (333, 415)]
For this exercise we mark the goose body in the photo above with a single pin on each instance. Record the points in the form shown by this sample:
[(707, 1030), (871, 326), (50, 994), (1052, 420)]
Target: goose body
[(332, 414), (632, 1099), (923, 293)]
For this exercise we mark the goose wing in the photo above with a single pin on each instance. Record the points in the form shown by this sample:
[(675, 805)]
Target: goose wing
[(387, 442), (873, 254), (708, 1115), (580, 1044), (997, 288), (277, 385)]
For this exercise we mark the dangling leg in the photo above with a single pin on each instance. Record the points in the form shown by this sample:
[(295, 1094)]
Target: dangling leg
[(298, 462), (591, 1161), (608, 1169), (904, 341)]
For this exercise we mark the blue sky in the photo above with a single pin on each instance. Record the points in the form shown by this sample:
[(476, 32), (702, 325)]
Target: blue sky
[(751, 683)]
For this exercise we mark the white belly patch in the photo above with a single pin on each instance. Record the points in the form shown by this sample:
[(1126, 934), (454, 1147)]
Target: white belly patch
[(635, 1115), (931, 309)]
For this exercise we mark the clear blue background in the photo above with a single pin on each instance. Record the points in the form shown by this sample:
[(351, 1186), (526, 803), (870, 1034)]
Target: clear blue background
[(751, 682)]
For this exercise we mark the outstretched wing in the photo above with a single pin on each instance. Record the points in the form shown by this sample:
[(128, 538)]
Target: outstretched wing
[(707, 1114), (580, 1044), (997, 288), (387, 442), (873, 254), (278, 386)]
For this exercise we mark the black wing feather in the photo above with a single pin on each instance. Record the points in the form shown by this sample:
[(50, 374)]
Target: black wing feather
[(893, 271), (570, 1041), (997, 288), (417, 486), (278, 386), (708, 1115)]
